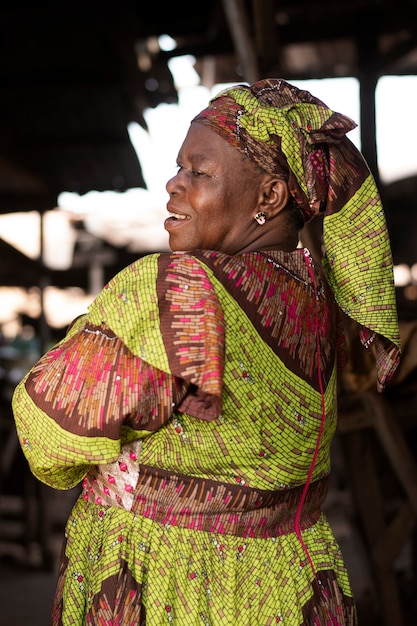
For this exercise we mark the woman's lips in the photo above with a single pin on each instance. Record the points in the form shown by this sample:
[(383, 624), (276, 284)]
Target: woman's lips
[(175, 220)]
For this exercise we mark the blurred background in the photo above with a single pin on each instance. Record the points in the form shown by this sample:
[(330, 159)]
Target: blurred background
[(95, 99)]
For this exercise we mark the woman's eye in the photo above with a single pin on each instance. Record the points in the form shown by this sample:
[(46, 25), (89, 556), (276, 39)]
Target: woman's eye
[(190, 169)]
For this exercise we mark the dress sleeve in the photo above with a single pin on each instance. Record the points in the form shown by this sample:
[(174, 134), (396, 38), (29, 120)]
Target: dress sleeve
[(150, 344), (83, 399)]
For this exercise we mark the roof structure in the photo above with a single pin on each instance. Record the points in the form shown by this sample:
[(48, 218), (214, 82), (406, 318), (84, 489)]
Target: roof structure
[(74, 74)]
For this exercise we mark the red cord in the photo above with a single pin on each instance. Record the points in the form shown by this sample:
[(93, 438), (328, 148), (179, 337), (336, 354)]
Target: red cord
[(307, 258)]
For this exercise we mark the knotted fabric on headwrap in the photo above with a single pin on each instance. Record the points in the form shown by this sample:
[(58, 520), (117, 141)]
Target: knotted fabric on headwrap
[(291, 134)]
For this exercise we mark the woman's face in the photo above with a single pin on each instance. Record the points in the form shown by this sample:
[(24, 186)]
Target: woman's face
[(213, 197)]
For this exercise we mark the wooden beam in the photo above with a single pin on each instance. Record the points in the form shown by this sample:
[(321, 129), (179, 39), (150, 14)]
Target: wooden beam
[(242, 39), (266, 34)]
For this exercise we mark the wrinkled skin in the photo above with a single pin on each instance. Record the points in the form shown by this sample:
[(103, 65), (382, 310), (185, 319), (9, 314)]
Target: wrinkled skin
[(215, 196)]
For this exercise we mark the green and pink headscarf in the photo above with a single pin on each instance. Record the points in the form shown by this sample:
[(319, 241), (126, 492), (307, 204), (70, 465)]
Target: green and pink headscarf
[(291, 134)]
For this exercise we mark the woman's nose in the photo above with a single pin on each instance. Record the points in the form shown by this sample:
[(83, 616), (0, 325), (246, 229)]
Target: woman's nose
[(172, 185)]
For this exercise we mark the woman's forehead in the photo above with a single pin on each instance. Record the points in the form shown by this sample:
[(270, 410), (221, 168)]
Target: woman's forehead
[(203, 142)]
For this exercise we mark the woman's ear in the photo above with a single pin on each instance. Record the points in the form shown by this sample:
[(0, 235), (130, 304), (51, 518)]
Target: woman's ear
[(275, 195)]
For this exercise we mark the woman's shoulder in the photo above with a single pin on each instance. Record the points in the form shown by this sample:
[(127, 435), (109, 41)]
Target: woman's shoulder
[(154, 273), (156, 260), (146, 267)]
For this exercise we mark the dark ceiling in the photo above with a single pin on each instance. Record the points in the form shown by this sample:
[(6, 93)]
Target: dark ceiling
[(73, 75)]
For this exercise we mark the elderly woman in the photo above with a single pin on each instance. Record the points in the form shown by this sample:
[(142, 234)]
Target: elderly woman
[(196, 400)]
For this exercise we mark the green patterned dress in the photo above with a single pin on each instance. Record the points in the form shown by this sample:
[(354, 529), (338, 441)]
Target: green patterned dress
[(196, 403)]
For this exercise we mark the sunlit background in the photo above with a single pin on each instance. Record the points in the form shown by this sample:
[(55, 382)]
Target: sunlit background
[(134, 219)]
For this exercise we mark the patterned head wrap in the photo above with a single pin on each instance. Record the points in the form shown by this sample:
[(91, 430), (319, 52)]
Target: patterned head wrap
[(291, 134)]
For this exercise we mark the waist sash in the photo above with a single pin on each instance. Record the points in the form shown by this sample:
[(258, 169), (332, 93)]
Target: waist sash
[(208, 505)]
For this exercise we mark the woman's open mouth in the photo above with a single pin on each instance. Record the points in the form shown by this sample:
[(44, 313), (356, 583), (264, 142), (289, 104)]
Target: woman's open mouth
[(174, 220)]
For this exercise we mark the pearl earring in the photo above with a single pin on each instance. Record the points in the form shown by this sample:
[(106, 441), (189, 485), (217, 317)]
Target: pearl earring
[(260, 218)]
